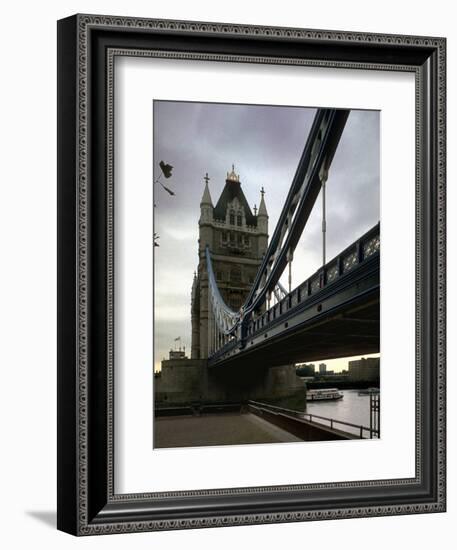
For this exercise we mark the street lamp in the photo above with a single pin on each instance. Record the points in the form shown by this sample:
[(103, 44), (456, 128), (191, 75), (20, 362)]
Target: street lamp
[(166, 171)]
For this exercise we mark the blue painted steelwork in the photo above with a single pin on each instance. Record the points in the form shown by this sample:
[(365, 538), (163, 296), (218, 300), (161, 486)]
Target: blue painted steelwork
[(322, 142), (342, 271), (226, 319)]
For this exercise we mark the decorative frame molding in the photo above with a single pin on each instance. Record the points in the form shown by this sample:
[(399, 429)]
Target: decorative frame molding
[(88, 45)]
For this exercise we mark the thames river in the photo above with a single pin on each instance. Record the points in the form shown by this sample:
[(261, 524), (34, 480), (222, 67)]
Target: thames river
[(353, 408)]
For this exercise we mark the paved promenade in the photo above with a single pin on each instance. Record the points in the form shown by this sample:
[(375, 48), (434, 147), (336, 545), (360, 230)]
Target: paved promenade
[(216, 429)]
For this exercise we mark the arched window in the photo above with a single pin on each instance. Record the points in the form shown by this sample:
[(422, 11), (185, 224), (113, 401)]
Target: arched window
[(239, 220), (232, 218)]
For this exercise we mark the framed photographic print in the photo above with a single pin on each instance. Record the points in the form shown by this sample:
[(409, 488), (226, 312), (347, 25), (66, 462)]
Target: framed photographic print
[(251, 274)]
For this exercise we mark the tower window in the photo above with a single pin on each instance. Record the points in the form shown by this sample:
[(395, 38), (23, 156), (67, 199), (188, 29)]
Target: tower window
[(239, 220), (232, 218), (235, 276)]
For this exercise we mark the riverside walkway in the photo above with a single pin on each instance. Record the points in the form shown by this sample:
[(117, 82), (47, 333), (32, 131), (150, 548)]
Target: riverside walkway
[(217, 429)]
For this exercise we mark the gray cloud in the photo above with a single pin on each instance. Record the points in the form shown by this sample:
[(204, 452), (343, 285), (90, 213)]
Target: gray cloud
[(265, 144)]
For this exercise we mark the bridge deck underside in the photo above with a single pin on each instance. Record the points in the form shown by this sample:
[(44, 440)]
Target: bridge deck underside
[(340, 322), (354, 331)]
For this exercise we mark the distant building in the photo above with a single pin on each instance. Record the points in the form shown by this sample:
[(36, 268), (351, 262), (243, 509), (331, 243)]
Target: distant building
[(178, 354), (322, 368), (306, 370), (178, 381), (365, 369)]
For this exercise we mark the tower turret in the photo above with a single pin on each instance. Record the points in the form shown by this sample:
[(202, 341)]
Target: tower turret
[(262, 224), (206, 204)]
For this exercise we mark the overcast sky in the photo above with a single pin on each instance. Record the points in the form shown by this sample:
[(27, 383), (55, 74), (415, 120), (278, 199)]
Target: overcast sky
[(265, 144)]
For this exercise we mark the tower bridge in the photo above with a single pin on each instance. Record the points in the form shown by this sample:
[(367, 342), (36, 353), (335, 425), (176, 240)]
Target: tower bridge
[(248, 331)]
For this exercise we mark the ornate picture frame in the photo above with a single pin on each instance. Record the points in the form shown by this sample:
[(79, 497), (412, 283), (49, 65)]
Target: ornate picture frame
[(87, 500)]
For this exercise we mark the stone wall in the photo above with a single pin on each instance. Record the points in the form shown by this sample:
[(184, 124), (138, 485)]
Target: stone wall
[(179, 382), (189, 381)]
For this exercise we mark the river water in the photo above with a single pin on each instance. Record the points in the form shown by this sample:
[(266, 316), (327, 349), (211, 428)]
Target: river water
[(353, 408)]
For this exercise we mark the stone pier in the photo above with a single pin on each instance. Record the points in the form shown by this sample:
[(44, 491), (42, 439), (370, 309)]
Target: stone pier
[(189, 381)]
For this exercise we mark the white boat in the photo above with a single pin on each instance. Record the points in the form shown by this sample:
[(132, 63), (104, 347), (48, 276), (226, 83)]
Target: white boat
[(328, 394)]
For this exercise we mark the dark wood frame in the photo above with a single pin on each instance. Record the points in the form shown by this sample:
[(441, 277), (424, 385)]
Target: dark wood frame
[(87, 45)]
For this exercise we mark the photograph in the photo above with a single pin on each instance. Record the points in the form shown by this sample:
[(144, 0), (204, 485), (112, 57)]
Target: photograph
[(233, 347), (266, 274)]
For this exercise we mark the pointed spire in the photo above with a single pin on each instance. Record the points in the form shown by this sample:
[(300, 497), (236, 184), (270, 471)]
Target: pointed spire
[(206, 199), (262, 206)]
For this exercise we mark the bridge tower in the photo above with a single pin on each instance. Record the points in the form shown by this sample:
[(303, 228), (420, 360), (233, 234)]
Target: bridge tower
[(237, 239)]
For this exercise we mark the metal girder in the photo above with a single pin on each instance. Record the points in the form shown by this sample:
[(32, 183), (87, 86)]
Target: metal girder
[(312, 169)]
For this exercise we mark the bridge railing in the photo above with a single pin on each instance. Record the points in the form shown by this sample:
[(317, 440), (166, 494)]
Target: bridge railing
[(353, 255), (357, 429)]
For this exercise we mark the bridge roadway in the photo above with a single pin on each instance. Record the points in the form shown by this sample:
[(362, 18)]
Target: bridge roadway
[(335, 313)]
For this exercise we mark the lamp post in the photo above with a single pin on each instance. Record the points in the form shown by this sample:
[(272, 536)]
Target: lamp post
[(166, 172)]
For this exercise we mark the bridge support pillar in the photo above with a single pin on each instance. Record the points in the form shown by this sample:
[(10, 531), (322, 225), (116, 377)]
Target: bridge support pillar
[(191, 382), (277, 385)]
